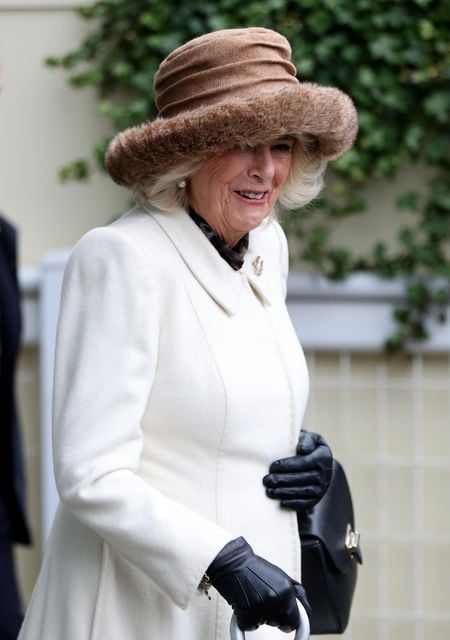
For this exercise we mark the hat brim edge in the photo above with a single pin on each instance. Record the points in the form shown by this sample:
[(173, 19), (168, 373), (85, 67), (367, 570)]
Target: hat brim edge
[(325, 113)]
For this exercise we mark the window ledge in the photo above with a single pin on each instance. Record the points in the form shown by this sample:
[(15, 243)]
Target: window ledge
[(352, 315)]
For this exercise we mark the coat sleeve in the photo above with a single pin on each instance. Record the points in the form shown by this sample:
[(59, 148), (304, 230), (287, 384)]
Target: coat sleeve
[(106, 355)]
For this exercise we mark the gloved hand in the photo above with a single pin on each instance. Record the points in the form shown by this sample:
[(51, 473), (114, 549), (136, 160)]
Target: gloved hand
[(258, 591), (301, 481)]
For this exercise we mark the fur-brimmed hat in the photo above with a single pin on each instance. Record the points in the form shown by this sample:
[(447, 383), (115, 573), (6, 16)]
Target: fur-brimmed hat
[(230, 89)]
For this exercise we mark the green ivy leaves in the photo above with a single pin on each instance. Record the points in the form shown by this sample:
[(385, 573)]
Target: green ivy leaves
[(393, 58)]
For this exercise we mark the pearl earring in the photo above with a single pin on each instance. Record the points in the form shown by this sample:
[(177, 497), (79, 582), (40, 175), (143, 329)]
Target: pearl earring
[(182, 184)]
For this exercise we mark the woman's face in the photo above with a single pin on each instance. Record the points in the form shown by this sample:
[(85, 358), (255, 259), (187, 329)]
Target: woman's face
[(236, 190)]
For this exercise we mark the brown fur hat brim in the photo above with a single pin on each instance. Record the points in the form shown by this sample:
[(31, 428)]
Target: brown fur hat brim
[(325, 113)]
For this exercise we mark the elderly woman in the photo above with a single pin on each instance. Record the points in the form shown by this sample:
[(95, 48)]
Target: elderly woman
[(179, 378)]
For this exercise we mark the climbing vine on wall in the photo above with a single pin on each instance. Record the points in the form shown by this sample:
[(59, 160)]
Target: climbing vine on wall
[(392, 57)]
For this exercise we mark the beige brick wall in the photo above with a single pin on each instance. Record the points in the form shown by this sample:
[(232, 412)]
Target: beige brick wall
[(388, 421)]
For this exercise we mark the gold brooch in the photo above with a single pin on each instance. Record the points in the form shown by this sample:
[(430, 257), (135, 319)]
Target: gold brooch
[(258, 265)]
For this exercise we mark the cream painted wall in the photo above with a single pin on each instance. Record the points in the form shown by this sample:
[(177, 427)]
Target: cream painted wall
[(44, 123), (381, 220)]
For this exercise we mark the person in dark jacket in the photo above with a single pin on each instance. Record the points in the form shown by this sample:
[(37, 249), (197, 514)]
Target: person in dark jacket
[(13, 524)]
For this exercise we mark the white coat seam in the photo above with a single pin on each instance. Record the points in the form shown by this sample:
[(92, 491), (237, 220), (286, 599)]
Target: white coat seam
[(225, 419), (221, 380), (99, 604)]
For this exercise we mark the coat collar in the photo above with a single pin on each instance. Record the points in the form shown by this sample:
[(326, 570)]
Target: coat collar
[(224, 284)]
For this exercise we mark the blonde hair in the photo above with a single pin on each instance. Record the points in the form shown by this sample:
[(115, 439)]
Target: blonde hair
[(305, 178), (163, 191), (303, 184)]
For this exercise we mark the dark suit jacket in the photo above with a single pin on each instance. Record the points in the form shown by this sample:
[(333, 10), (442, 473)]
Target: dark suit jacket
[(11, 475)]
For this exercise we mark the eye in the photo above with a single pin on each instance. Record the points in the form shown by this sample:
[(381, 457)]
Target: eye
[(283, 147)]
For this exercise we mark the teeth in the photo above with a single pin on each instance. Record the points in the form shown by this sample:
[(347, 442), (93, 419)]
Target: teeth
[(252, 195)]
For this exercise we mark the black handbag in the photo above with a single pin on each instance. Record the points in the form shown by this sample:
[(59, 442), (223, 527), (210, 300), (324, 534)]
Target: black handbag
[(330, 556)]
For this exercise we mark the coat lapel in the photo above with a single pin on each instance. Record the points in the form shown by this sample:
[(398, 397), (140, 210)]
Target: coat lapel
[(224, 284)]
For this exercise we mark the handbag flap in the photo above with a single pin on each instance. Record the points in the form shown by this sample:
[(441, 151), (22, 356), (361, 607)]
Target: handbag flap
[(329, 521)]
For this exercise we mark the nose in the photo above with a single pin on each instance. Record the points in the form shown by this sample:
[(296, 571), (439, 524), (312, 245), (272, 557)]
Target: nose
[(262, 166)]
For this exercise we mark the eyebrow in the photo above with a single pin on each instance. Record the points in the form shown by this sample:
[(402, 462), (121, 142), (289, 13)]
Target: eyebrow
[(286, 138)]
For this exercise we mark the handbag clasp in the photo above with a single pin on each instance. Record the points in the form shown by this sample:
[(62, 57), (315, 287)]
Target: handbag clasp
[(352, 541)]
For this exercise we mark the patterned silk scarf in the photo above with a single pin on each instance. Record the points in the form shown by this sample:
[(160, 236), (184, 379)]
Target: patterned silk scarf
[(233, 255)]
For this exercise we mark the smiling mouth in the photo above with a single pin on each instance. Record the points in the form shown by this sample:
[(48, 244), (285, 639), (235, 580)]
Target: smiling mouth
[(252, 195)]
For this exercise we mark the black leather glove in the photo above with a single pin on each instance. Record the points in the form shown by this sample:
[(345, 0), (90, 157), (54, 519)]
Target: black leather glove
[(301, 481), (258, 591)]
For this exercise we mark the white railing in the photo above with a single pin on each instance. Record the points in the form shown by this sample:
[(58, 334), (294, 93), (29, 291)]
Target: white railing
[(355, 315), (41, 290), (352, 315)]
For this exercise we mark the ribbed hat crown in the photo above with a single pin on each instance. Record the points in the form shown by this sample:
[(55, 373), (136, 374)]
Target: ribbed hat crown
[(228, 64)]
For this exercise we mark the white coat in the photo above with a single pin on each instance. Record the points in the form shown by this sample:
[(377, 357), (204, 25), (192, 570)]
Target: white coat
[(178, 381)]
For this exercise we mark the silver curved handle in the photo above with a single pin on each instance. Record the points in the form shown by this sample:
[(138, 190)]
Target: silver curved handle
[(302, 632)]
